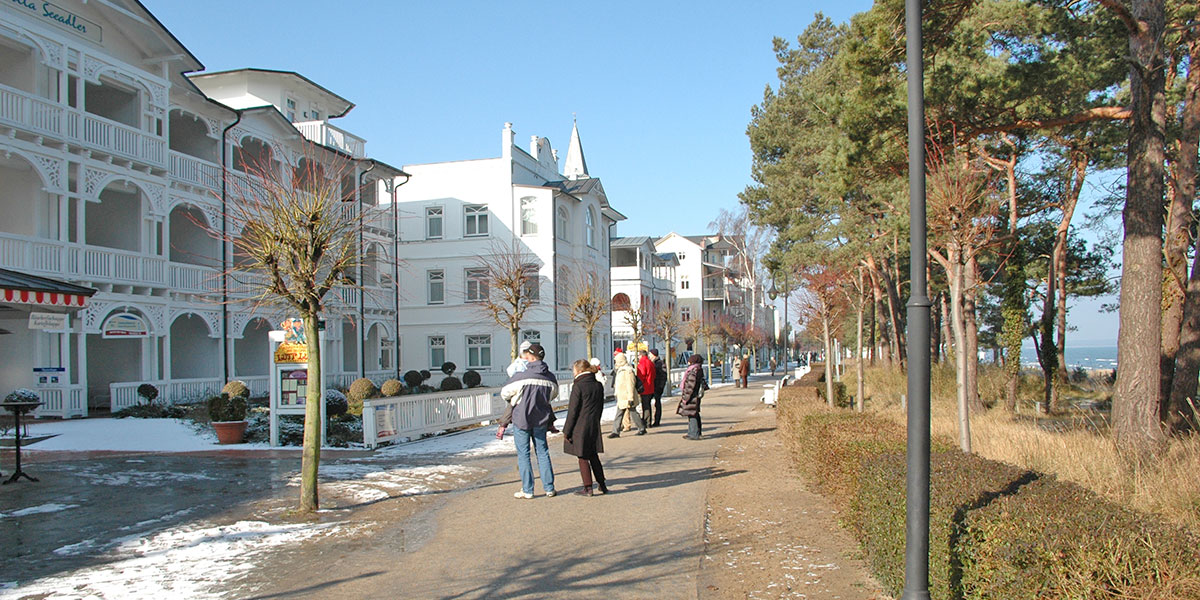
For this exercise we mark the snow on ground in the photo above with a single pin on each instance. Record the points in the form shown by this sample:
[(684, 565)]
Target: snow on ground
[(368, 483), (151, 435), (35, 510), (191, 561)]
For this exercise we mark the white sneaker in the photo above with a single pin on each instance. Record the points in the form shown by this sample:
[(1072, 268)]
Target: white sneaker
[(551, 494), (522, 495)]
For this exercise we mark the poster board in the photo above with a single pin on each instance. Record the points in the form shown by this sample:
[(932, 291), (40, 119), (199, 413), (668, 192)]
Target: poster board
[(289, 381)]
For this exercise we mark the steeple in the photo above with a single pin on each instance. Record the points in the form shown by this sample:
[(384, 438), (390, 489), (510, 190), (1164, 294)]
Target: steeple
[(576, 166)]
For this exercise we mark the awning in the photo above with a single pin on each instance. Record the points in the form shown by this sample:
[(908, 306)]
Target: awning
[(22, 288)]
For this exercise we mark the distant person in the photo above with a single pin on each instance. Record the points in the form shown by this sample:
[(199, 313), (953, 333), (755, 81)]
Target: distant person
[(660, 385), (744, 370), (774, 365), (625, 388), (529, 392), (581, 434), (691, 390), (647, 373)]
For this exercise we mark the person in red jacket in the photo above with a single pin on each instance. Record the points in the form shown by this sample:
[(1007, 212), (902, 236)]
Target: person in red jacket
[(645, 374)]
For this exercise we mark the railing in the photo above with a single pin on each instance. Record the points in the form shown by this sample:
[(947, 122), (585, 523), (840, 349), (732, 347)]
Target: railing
[(64, 402), (389, 419), (195, 171), (340, 380), (120, 265), (30, 112), (260, 385), (194, 278), (170, 391), (325, 134), (51, 257), (714, 293), (31, 254), (116, 138)]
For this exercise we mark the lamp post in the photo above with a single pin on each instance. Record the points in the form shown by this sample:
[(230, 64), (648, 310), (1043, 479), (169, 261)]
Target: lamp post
[(916, 535), (773, 292)]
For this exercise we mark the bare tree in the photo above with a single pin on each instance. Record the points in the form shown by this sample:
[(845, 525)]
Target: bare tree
[(750, 244), (504, 284), (634, 320), (584, 303), (666, 324), (298, 241), (820, 306)]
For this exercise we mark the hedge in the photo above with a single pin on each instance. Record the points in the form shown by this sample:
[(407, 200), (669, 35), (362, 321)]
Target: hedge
[(996, 531)]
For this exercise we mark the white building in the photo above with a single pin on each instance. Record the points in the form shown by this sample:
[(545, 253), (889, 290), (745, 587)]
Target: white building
[(643, 285), (111, 171), (454, 214)]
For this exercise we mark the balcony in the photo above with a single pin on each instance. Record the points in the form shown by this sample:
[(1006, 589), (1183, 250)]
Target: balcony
[(43, 117), (714, 292), (194, 171), (325, 134), (80, 262)]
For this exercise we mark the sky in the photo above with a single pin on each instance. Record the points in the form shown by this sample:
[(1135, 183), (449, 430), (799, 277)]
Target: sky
[(662, 91)]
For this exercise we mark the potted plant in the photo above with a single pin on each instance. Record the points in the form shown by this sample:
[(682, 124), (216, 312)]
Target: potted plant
[(228, 416)]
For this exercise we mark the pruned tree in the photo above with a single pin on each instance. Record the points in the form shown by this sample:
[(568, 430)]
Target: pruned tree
[(633, 319), (820, 304), (504, 284), (585, 302), (667, 324), (749, 242), (298, 241)]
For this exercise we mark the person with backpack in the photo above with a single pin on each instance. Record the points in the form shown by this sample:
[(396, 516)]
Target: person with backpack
[(625, 388)]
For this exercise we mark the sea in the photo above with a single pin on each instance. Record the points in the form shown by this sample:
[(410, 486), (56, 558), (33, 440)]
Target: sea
[(1081, 356)]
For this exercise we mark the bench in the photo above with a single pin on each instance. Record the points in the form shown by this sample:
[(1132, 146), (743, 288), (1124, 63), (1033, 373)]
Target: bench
[(771, 391)]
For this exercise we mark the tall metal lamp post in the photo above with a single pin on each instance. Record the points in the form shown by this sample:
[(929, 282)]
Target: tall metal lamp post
[(916, 546), (773, 293)]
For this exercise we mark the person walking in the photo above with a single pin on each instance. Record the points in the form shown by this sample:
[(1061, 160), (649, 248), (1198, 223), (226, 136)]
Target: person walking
[(691, 390), (660, 385), (647, 373), (624, 387), (774, 365), (744, 370), (529, 392), (581, 432)]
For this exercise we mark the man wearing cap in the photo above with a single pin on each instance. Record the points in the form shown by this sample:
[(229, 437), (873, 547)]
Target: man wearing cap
[(529, 392)]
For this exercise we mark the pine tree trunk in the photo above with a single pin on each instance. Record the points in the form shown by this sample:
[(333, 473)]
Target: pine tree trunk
[(310, 455), (1135, 411), (971, 333), (858, 353), (1180, 413), (948, 350), (1079, 163), (828, 354), (955, 275), (1047, 353)]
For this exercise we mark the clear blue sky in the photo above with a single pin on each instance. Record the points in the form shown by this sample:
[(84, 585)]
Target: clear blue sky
[(662, 90)]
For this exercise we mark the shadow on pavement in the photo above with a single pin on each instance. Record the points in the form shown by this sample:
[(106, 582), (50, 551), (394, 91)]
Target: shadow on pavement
[(316, 587)]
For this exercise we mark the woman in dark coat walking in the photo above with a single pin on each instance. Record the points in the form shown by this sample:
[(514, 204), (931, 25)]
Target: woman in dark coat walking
[(691, 390), (581, 433)]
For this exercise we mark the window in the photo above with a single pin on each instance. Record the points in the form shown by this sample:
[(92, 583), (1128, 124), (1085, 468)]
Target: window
[(563, 351), (591, 228), (437, 351), (685, 314), (684, 283), (529, 216), (532, 336), (564, 223), (479, 351), (477, 219), (477, 285), (433, 223), (532, 286), (681, 256), (437, 286)]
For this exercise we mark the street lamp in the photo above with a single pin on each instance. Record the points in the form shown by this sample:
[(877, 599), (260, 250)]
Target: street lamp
[(773, 293)]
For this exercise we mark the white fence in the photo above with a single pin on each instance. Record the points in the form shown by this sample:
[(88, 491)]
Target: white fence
[(63, 402), (170, 391)]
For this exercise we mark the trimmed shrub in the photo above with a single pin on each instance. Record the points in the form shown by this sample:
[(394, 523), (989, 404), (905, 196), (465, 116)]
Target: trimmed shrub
[(361, 389), (226, 408), (391, 388), (425, 375), (147, 392), (448, 368), (236, 388), (335, 403), (472, 378), (840, 398), (450, 384), (1055, 539), (412, 379)]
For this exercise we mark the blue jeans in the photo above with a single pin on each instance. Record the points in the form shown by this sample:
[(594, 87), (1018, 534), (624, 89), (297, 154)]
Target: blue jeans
[(521, 437)]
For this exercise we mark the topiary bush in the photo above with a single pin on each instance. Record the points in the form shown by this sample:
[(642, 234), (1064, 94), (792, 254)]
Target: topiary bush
[(223, 408), (147, 392), (361, 389), (236, 388), (335, 403), (450, 384), (448, 368), (425, 375), (391, 388), (841, 399), (413, 379), (471, 378)]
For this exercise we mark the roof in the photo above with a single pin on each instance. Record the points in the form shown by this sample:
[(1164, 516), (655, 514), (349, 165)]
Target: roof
[(346, 105), (630, 241), (15, 280), (575, 187)]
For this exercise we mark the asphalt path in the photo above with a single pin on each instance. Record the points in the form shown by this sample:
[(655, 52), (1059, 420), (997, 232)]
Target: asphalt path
[(643, 540)]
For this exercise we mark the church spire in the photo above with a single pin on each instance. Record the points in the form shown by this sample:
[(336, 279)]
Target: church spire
[(576, 166)]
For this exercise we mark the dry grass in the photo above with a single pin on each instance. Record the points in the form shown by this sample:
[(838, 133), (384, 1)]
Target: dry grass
[(1168, 487)]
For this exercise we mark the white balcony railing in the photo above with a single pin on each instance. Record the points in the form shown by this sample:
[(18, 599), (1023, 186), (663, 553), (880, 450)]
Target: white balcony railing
[(119, 265), (194, 279), (195, 171), (327, 135), (28, 111)]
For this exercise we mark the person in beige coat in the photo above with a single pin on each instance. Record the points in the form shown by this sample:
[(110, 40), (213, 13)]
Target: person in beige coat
[(627, 397)]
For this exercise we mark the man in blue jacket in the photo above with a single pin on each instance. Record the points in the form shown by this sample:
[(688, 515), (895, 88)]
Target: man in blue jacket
[(529, 392)]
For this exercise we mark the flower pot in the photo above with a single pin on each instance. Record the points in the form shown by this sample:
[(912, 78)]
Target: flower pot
[(229, 432)]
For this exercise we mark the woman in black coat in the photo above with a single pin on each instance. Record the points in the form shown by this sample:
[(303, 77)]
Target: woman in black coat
[(691, 391), (581, 433)]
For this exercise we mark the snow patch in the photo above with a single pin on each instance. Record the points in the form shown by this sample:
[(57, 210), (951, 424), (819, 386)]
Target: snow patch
[(39, 509)]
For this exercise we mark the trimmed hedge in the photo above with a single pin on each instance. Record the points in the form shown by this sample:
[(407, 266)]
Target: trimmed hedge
[(391, 388), (996, 531)]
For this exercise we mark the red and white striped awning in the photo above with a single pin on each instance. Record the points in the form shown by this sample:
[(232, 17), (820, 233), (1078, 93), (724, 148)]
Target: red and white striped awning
[(43, 298)]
